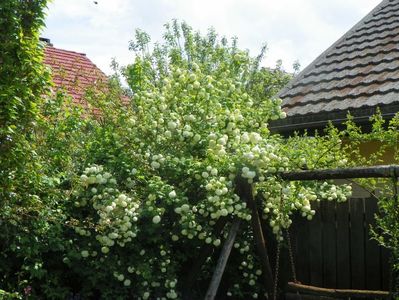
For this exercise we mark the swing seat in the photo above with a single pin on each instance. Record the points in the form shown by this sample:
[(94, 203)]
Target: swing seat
[(307, 292)]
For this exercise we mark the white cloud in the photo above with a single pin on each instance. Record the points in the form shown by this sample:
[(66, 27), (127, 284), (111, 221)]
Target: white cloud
[(293, 29)]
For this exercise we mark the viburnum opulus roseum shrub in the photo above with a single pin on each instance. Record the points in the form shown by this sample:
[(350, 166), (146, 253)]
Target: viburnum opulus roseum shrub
[(118, 206), (160, 174)]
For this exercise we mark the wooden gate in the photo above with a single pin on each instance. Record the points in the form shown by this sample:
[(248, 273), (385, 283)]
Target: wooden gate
[(334, 250)]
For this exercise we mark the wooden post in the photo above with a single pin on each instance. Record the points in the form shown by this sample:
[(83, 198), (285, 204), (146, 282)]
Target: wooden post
[(245, 191), (194, 267), (221, 265)]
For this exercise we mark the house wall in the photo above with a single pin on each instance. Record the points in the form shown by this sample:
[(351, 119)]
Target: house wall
[(368, 148)]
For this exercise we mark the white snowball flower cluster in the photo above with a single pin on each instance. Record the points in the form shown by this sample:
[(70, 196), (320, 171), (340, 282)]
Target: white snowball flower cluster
[(334, 192), (282, 199), (157, 160), (117, 211)]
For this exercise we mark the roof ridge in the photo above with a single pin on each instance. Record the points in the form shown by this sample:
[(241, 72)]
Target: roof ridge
[(324, 53)]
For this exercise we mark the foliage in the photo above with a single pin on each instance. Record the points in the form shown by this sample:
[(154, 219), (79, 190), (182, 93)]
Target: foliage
[(384, 135), (156, 177), (23, 83), (125, 200)]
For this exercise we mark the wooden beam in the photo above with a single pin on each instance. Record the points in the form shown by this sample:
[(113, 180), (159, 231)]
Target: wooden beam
[(223, 258), (193, 268), (383, 171), (337, 293)]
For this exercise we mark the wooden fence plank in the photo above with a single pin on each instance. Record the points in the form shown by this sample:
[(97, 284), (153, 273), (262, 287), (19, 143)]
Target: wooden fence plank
[(385, 269), (301, 254), (315, 248), (372, 251), (343, 246), (335, 251), (328, 209), (357, 243)]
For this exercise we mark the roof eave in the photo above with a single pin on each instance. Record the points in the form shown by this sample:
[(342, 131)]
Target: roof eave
[(318, 121)]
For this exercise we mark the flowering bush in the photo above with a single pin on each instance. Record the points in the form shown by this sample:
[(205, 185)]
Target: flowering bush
[(163, 172), (127, 200)]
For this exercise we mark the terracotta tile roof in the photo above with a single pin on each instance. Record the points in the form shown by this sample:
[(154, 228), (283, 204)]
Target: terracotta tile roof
[(73, 72), (359, 71)]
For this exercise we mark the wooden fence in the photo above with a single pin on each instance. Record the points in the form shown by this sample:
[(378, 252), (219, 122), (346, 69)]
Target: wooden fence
[(334, 250)]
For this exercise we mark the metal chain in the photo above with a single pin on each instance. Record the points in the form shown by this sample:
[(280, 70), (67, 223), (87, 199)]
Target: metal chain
[(291, 255), (277, 270)]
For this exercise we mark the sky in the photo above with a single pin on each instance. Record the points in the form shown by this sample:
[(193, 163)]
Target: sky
[(294, 30)]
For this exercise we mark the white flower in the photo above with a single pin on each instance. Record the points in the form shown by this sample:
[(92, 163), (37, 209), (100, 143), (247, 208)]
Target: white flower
[(172, 125), (245, 138), (216, 242), (197, 138), (127, 282), (172, 194), (156, 219), (185, 207), (84, 178), (223, 140), (251, 174), (255, 137), (84, 253), (155, 164), (224, 212)]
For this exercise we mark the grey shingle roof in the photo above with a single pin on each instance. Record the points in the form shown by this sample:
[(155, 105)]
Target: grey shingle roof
[(360, 70)]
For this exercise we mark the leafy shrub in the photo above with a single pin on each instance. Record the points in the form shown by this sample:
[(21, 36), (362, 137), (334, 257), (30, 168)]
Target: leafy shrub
[(125, 201)]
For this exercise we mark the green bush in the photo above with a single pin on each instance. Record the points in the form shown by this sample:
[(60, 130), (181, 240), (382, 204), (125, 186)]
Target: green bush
[(124, 201)]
